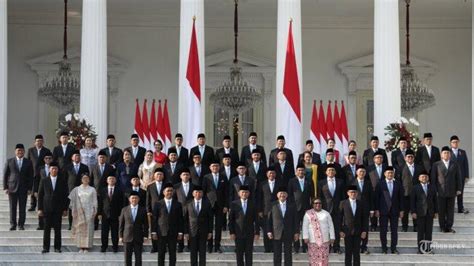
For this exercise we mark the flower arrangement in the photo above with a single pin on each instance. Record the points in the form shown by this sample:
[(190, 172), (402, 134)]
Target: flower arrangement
[(78, 129), (394, 131)]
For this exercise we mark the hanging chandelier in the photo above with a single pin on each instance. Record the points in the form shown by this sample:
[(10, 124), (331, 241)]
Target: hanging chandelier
[(235, 95), (415, 96), (63, 89)]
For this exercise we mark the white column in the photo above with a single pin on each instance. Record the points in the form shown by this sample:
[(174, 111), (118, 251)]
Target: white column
[(387, 103), (94, 66), (190, 9), (472, 88), (3, 84)]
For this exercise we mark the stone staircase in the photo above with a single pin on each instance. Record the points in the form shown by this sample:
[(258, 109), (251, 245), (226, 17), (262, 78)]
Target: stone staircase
[(24, 247)]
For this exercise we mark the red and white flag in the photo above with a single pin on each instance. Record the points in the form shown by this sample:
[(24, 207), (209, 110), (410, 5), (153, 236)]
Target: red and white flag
[(322, 130), (153, 135), (329, 122), (345, 130), (314, 132), (167, 128), (159, 124), (146, 129), (338, 133), (138, 123)]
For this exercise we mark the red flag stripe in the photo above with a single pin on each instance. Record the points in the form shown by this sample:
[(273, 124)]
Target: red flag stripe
[(314, 122), (322, 122), (146, 129), (159, 123), (166, 122), (291, 88), (192, 72), (153, 121), (138, 121), (345, 129), (329, 122), (337, 122)]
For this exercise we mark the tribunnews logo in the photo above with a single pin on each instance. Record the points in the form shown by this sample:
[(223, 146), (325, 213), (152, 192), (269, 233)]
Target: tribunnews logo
[(427, 246)]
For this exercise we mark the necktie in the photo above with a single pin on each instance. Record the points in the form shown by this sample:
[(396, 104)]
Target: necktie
[(403, 153), (425, 188), (412, 171), (168, 206), (301, 185), (186, 189), (282, 166), (197, 207), (283, 209), (76, 168), (256, 167), (101, 170), (242, 180), (127, 170), (353, 207), (244, 206), (390, 188), (361, 186), (227, 172), (172, 167), (272, 184), (53, 182), (46, 169), (158, 187), (111, 192), (19, 164), (137, 189), (216, 181), (379, 171), (64, 151), (331, 187), (39, 152), (201, 151), (198, 170), (134, 213), (178, 149), (353, 170), (135, 152)]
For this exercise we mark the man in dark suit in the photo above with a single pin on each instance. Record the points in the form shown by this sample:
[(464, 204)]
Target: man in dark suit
[(257, 168), (18, 179), (283, 167), (369, 154), (246, 153), (227, 149), (183, 194), (375, 174), (135, 186), (241, 180), (63, 152), (198, 226), (427, 154), (168, 225), (101, 171), (125, 170), (197, 169), (44, 173), (331, 193), (446, 176), (283, 227), (138, 152), (52, 204), (36, 155), (389, 207), (173, 167), (301, 193), (460, 157), (350, 169), (133, 229), (73, 174), (408, 176), (316, 156), (114, 154), (243, 226), (424, 208), (273, 159), (227, 169), (365, 195), (354, 224), (206, 152), (398, 155), (182, 152), (267, 195), (330, 162), (154, 193), (215, 187), (110, 200)]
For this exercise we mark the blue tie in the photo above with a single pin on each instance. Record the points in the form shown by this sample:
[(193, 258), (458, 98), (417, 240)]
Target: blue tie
[(134, 213)]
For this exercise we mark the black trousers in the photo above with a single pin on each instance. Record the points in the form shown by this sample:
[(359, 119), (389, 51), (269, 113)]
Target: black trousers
[(406, 212), (198, 249), (130, 248), (18, 198), (109, 225), (446, 212), (384, 219), (52, 220), (244, 248), (425, 229), (352, 249), (33, 201), (219, 217), (373, 222), (40, 222), (298, 242), (277, 249), (267, 243), (165, 242), (337, 228), (460, 197)]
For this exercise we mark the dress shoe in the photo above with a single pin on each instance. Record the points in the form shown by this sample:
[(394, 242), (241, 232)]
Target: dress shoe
[(186, 249), (394, 251), (115, 250), (32, 209), (44, 251), (69, 228), (153, 250), (13, 228), (57, 250), (103, 250), (218, 250), (372, 229), (39, 228), (365, 252), (21, 227), (305, 249), (451, 230), (419, 252), (297, 250), (384, 251), (405, 229), (180, 250), (209, 249)]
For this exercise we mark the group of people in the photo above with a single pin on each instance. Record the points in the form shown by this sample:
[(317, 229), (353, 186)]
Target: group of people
[(184, 200)]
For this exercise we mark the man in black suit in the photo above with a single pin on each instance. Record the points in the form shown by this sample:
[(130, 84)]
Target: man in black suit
[(133, 229), (354, 224), (350, 169), (375, 174), (173, 167), (331, 162), (283, 227), (18, 179), (331, 193), (365, 195), (197, 169), (257, 168), (125, 170), (114, 154), (101, 171), (44, 173), (427, 154), (227, 169), (52, 204), (138, 152), (446, 176), (267, 195), (168, 225), (36, 155), (206, 152), (73, 174), (283, 167), (246, 153), (424, 208), (460, 157), (110, 204), (135, 186), (241, 180), (154, 193), (369, 154), (63, 152), (301, 193), (398, 155), (316, 156), (198, 226), (408, 176), (280, 145), (389, 207), (243, 226), (227, 149), (215, 187), (181, 151), (183, 194)]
